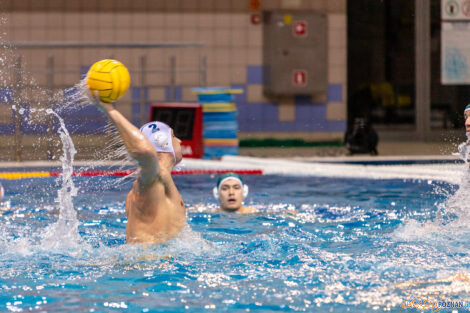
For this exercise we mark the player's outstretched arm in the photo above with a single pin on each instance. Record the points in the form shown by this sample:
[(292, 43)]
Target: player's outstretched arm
[(136, 144)]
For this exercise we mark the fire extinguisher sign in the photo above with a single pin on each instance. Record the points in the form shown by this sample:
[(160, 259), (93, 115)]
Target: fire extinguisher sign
[(299, 28), (299, 78)]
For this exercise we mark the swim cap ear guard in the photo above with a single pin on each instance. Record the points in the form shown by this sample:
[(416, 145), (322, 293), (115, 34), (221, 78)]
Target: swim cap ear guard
[(161, 140), (159, 135), (215, 192), (226, 176)]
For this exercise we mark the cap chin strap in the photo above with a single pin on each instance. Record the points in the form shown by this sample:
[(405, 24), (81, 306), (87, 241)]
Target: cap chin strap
[(215, 192)]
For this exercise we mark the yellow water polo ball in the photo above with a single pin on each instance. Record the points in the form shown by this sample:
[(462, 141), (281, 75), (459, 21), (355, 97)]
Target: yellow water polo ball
[(110, 78)]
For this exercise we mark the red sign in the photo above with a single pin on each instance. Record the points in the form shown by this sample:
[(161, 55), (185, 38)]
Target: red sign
[(299, 29), (255, 18), (255, 5), (186, 121), (299, 78)]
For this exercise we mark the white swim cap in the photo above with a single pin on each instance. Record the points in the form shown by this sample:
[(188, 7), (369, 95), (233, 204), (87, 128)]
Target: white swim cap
[(159, 135)]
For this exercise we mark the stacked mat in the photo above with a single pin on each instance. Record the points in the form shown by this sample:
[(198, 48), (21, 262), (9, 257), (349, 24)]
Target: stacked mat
[(220, 126)]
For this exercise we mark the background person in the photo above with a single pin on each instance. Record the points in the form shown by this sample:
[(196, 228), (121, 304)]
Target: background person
[(466, 115), (464, 147), (230, 192)]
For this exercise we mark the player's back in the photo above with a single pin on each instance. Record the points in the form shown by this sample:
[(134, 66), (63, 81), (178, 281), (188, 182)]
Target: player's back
[(155, 213)]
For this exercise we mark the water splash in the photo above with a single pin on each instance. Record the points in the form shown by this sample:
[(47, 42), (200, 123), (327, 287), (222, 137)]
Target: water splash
[(64, 233), (452, 215), (464, 149)]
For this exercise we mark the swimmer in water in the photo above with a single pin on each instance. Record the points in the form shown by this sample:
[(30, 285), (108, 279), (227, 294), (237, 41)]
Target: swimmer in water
[(230, 192), (154, 207), (466, 115), (464, 147), (2, 192)]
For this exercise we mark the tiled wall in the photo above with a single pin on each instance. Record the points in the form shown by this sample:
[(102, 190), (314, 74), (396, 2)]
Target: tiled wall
[(233, 47)]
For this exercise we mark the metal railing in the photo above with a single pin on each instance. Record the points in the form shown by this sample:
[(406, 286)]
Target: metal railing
[(170, 69)]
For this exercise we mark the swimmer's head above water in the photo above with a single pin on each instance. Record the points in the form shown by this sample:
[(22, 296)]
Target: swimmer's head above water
[(230, 192), (464, 151), (162, 139), (466, 115)]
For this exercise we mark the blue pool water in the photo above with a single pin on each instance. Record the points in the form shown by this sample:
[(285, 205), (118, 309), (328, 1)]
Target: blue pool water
[(317, 245)]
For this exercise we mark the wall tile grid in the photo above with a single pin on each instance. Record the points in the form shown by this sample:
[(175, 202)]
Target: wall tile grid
[(233, 50), (337, 64), (305, 114)]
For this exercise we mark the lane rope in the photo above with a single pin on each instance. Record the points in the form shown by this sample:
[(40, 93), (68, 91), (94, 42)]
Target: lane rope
[(20, 175)]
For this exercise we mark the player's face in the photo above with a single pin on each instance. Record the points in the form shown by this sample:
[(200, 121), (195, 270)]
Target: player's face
[(231, 195), (176, 147), (467, 121)]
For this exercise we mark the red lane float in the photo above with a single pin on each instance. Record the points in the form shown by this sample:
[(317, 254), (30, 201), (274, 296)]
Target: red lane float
[(97, 173), (19, 175), (240, 172)]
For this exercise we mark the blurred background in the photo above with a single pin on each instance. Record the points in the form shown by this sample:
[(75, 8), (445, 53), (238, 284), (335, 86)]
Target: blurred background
[(309, 71)]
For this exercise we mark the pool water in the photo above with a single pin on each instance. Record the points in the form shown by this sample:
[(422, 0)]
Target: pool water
[(317, 245)]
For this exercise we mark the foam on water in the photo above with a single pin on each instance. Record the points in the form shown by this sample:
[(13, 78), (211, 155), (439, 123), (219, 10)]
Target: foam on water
[(435, 248), (297, 254)]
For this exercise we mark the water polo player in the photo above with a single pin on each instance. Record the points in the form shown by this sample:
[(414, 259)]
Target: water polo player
[(466, 115), (230, 192), (464, 147), (154, 207)]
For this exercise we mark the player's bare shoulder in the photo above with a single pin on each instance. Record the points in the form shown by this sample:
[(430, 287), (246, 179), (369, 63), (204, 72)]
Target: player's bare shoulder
[(248, 210)]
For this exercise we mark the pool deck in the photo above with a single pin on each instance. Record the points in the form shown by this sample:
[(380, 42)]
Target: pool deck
[(396, 150), (389, 153)]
